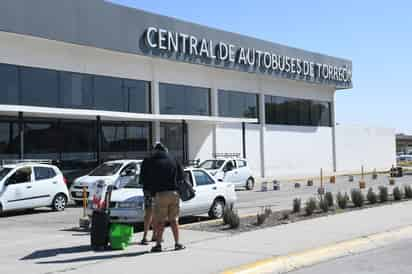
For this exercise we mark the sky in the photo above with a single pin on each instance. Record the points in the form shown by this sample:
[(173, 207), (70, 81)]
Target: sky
[(375, 35)]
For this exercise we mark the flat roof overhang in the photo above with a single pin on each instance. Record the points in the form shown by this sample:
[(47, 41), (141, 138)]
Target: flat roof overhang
[(88, 114)]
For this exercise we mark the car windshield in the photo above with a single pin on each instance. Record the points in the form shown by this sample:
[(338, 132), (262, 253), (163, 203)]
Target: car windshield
[(106, 169), (212, 164), (133, 184), (3, 172)]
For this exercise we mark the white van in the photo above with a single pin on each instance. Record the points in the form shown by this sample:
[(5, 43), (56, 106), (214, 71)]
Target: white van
[(31, 185)]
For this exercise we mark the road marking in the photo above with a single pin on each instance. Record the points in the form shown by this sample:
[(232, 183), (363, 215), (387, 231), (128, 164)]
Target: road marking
[(294, 261)]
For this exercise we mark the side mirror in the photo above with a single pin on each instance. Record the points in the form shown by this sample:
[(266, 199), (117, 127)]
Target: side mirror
[(220, 180)]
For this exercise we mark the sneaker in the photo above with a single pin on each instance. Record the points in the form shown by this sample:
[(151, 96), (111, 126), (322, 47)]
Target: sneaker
[(156, 248), (144, 242), (179, 247)]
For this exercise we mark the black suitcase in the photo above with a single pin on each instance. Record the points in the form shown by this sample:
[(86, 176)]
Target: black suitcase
[(99, 233)]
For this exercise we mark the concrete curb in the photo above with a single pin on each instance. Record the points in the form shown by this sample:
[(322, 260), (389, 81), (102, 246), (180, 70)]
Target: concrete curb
[(294, 261)]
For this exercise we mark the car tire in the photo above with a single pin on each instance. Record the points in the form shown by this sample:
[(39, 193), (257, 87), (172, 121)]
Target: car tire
[(216, 211), (1, 210), (59, 202), (250, 183)]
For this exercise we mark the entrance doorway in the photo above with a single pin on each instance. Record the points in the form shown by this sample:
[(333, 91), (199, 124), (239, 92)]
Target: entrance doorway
[(174, 137)]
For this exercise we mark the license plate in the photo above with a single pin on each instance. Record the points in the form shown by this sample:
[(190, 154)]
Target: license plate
[(78, 194)]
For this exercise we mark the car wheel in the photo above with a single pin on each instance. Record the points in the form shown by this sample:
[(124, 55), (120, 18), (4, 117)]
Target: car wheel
[(216, 211), (59, 202), (1, 210), (250, 183)]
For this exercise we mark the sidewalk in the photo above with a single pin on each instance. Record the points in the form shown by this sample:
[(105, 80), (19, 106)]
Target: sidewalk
[(207, 252)]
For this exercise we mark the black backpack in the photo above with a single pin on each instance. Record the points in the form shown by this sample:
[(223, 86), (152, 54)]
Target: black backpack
[(185, 190)]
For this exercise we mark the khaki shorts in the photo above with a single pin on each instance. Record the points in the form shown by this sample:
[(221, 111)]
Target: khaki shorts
[(166, 206)]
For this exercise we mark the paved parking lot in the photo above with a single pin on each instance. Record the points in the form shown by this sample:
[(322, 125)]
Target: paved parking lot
[(41, 233)]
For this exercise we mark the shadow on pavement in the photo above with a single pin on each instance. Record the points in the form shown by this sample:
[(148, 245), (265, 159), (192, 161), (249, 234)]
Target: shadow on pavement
[(25, 212), (56, 251), (94, 258)]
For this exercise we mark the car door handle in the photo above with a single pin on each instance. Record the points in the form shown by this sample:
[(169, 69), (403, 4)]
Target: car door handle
[(54, 183), (28, 186), (214, 188)]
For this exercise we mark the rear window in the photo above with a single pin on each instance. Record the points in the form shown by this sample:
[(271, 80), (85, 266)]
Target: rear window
[(106, 169), (43, 173), (241, 163), (212, 164)]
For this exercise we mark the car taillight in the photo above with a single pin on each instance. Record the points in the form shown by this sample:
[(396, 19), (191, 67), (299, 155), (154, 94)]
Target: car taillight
[(65, 180)]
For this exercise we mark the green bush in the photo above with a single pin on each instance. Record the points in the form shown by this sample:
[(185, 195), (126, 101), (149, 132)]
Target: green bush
[(397, 194), (383, 194), (231, 218), (342, 200), (408, 192), (323, 204), (310, 206), (357, 197), (296, 205), (329, 199), (371, 196)]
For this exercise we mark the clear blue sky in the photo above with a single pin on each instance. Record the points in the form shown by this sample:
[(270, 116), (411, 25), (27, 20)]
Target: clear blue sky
[(375, 35)]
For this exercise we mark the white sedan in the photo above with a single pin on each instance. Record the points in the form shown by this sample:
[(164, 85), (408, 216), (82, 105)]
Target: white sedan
[(127, 206)]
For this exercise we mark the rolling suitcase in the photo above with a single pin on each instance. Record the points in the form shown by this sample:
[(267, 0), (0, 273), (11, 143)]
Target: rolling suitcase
[(99, 233)]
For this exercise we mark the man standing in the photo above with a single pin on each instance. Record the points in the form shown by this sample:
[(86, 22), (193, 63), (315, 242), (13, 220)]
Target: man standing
[(161, 174)]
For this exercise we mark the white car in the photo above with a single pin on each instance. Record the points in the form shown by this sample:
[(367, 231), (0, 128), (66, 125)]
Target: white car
[(127, 206), (233, 170), (117, 173), (31, 185)]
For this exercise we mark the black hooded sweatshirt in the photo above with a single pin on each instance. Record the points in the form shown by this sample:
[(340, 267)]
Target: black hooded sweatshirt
[(160, 172)]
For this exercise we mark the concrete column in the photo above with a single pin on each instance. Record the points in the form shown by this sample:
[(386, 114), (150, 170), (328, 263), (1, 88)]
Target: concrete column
[(333, 121), (155, 109), (262, 120), (214, 105)]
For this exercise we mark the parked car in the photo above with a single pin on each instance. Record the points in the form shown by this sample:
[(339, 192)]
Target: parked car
[(31, 185), (117, 173), (233, 170), (126, 204)]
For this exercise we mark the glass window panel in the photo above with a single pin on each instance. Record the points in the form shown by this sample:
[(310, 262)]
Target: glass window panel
[(315, 113), (39, 87), (325, 114), (109, 94), (137, 96), (82, 144), (293, 112), (178, 99), (171, 135), (237, 104), (304, 112), (281, 110), (76, 90), (9, 93), (42, 140), (269, 110), (9, 140)]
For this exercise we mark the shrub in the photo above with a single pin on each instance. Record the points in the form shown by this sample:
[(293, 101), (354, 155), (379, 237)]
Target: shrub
[(329, 199), (297, 185), (323, 204), (408, 192), (357, 197), (310, 206), (226, 215), (383, 194), (371, 196), (342, 200), (310, 182), (296, 205), (261, 217), (397, 194), (230, 217)]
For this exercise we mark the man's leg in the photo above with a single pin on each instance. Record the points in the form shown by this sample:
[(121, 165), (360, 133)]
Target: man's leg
[(148, 219), (173, 215), (174, 225), (160, 215)]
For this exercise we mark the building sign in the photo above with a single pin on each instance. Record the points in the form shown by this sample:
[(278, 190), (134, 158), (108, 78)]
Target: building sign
[(294, 66)]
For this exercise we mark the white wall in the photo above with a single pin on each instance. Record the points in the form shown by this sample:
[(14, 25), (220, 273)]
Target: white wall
[(253, 148), (294, 152), (229, 138), (200, 140), (370, 147)]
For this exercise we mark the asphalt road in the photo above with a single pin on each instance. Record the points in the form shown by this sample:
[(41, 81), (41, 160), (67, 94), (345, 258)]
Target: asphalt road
[(393, 258)]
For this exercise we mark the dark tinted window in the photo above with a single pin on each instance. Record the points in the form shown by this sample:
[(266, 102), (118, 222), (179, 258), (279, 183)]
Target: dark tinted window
[(42, 140), (78, 140), (202, 178), (137, 96), (109, 93), (3, 172), (76, 90), (22, 175), (120, 140), (178, 99), (106, 169), (9, 140), (43, 173), (171, 135), (39, 87), (299, 112), (238, 104), (9, 92)]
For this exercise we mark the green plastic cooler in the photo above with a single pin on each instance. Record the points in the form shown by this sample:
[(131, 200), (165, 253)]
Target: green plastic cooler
[(120, 236)]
